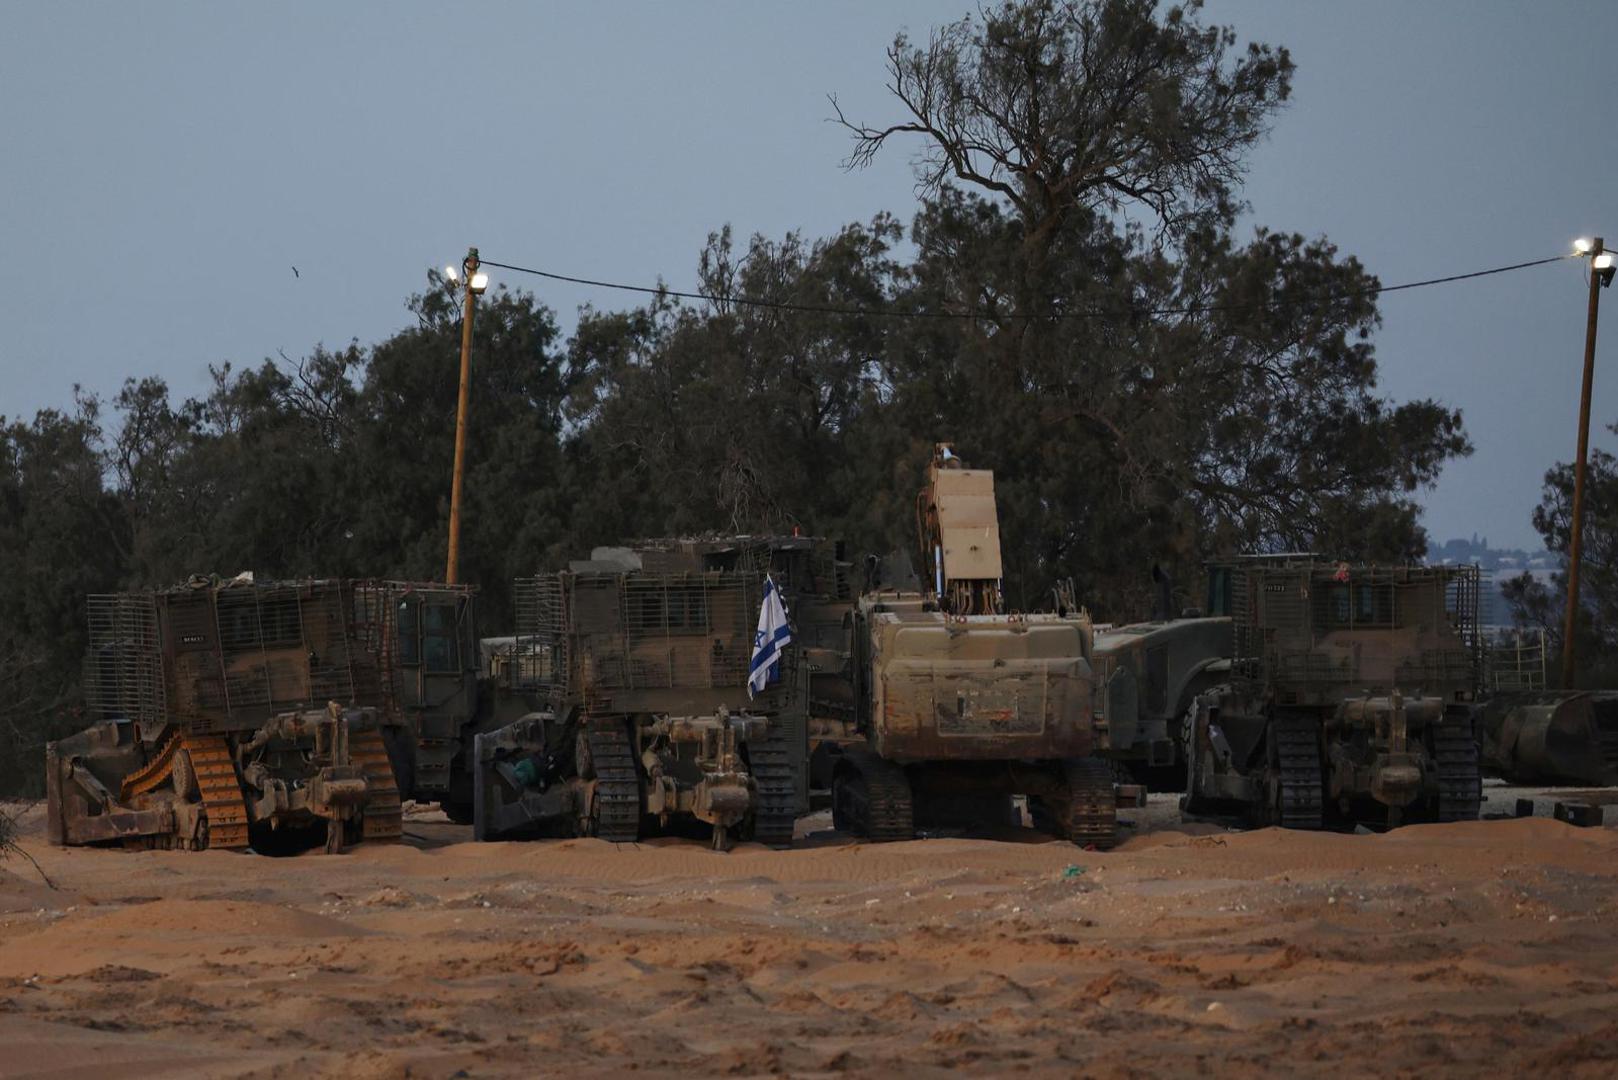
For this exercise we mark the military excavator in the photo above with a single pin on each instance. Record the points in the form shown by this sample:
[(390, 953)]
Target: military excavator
[(960, 704)]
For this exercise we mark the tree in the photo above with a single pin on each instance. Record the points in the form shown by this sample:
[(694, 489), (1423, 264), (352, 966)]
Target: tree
[(1059, 107), (1534, 605), (61, 537), (1161, 397), (736, 416)]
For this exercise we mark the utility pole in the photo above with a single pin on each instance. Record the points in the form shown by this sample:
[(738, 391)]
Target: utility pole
[(475, 283), (1576, 542)]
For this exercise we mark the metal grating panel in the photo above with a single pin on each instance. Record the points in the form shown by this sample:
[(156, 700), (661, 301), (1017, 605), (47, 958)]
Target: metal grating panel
[(594, 632), (1462, 594), (323, 627), (538, 659), (1517, 661), (373, 627), (685, 630), (221, 657), (261, 649), (1285, 617), (123, 672)]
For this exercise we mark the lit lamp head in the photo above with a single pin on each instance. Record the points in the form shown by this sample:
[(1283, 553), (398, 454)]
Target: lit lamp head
[(1602, 266), (479, 283), (452, 274), (1582, 246)]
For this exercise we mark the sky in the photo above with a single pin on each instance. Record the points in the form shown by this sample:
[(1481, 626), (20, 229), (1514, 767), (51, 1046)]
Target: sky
[(166, 165)]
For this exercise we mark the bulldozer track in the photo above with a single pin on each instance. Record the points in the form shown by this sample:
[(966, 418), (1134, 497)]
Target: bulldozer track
[(776, 791), (615, 812), (223, 805), (1460, 783), (384, 815), (872, 798), (1297, 745), (1092, 804), (153, 773)]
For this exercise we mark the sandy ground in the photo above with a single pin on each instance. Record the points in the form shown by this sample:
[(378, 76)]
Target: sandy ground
[(1447, 950)]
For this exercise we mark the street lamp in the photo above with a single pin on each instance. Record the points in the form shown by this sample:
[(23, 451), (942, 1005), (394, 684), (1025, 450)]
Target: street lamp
[(476, 283), (1601, 272)]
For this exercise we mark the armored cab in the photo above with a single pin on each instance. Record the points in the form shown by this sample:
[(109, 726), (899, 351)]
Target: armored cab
[(636, 662), (236, 713), (1351, 698), (961, 704), (425, 638)]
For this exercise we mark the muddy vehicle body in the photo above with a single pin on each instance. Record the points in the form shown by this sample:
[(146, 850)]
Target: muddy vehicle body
[(1552, 736), (1352, 697), (635, 666), (270, 715), (1150, 674), (961, 705)]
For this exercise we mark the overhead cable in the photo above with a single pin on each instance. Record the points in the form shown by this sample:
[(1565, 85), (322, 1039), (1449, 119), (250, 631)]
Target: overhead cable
[(904, 313)]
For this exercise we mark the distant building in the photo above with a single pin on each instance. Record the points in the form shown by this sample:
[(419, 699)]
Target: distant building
[(1496, 566), (1478, 552)]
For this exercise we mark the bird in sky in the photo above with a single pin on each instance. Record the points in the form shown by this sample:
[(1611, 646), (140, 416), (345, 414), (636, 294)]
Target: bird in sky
[(295, 272)]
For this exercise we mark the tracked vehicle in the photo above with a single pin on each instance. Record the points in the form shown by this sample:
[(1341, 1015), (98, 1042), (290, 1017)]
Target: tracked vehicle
[(265, 714), (1351, 697), (960, 704), (635, 663)]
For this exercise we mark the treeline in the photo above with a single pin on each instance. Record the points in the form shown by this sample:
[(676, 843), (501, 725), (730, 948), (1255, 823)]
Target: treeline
[(1069, 303), (1534, 606)]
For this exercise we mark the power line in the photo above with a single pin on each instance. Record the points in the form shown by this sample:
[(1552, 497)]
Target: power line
[(900, 313)]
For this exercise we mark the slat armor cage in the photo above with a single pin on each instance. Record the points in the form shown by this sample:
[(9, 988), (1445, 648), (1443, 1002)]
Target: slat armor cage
[(635, 631), (213, 656), (1301, 625)]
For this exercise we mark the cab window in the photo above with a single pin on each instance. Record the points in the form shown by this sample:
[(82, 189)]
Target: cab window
[(438, 639)]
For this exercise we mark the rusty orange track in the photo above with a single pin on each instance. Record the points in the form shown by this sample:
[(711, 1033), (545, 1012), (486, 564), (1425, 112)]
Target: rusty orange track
[(222, 799), (153, 773), (383, 814)]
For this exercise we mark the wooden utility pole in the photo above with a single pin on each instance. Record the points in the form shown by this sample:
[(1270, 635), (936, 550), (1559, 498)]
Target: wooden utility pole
[(1576, 542), (469, 273)]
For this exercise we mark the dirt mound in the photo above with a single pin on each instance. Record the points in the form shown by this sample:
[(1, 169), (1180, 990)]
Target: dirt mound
[(1460, 949)]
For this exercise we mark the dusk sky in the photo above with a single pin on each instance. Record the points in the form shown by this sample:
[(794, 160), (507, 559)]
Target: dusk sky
[(166, 165)]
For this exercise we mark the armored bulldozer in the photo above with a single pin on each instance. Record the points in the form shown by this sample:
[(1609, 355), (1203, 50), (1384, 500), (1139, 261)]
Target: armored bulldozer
[(961, 704), (235, 714), (635, 665), (1351, 697)]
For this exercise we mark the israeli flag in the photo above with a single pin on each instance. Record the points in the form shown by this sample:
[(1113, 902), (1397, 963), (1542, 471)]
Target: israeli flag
[(773, 634)]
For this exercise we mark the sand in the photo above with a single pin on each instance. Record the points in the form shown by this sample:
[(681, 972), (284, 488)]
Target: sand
[(1446, 950)]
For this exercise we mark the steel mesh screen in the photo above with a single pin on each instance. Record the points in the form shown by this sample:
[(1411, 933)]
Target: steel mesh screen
[(538, 659), (222, 657), (123, 672), (1284, 618), (640, 631)]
